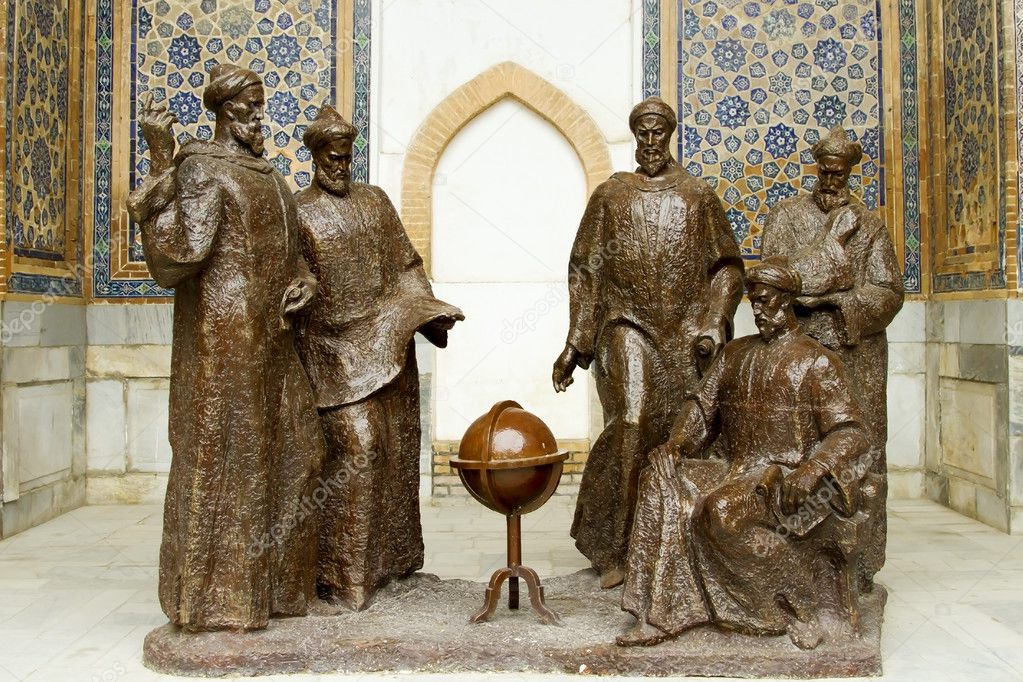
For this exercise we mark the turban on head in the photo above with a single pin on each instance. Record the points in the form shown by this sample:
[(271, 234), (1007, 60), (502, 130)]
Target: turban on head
[(328, 126), (837, 143), (226, 81), (775, 272), (652, 105)]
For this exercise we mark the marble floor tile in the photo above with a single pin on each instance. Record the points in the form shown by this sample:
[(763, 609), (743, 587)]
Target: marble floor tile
[(78, 594)]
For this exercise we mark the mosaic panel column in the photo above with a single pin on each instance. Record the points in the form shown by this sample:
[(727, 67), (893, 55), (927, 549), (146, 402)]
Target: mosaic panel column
[(969, 232), (41, 146)]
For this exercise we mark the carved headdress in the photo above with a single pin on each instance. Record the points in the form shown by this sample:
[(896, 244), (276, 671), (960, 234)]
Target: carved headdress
[(328, 126), (226, 82), (653, 105), (775, 272), (837, 143)]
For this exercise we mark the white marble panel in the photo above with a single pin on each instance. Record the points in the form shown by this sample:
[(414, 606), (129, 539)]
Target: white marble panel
[(148, 447), (906, 358), (31, 364), (504, 351), (983, 322), (968, 426), (128, 361), (105, 423), (508, 195), (37, 434), (130, 324), (909, 324), (906, 414)]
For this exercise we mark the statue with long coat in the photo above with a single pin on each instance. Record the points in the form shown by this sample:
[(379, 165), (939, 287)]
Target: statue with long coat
[(357, 346), (765, 540), (219, 225), (654, 280), (852, 290)]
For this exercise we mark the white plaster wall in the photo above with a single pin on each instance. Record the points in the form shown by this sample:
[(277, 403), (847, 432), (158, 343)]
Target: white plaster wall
[(507, 201), (425, 49)]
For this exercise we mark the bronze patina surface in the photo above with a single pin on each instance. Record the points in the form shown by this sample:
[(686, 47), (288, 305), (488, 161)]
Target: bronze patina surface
[(654, 280), (852, 289), (220, 226), (357, 345), (767, 540)]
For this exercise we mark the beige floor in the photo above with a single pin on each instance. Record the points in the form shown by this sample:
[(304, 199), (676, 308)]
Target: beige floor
[(78, 594)]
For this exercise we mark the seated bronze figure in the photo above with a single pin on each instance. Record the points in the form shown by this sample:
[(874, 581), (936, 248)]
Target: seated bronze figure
[(765, 541)]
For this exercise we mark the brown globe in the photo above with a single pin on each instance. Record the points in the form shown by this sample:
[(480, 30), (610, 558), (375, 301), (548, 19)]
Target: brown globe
[(509, 460)]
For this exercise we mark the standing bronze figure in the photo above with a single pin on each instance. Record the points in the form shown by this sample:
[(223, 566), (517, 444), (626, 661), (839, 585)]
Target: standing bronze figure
[(357, 346), (766, 540), (220, 226), (654, 279), (852, 289)]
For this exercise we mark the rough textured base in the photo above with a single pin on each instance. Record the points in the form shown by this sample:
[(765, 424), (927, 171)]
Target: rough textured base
[(421, 624)]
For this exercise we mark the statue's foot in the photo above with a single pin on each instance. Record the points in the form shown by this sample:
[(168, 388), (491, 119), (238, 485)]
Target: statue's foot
[(642, 634), (612, 578), (354, 597), (805, 635)]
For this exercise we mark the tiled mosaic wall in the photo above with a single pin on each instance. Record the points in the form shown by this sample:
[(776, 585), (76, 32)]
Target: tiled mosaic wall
[(969, 241), (296, 48), (758, 82), (41, 149)]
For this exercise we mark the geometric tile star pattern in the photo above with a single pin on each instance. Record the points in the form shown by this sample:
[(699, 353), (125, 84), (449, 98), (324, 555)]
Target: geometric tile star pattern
[(759, 82), (290, 45)]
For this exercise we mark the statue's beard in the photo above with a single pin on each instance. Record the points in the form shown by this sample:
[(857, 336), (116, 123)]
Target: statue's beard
[(335, 184), (651, 160), (828, 201), (250, 135)]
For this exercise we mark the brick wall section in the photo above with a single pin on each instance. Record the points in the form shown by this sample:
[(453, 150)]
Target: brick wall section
[(466, 103), (447, 483)]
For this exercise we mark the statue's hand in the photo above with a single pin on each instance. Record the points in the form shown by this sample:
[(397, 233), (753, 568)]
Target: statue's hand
[(297, 296), (157, 126), (436, 331), (800, 484), (664, 459), (563, 368), (711, 339)]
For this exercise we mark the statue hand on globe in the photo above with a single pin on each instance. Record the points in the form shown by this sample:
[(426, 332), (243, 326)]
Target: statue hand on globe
[(563, 368), (157, 126)]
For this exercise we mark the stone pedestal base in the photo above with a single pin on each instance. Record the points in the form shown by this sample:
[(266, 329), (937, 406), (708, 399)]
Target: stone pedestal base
[(422, 624)]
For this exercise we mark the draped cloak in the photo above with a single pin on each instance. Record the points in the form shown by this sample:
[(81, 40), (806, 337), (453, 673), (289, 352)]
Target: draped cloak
[(710, 544), (239, 543), (357, 346), (641, 288), (854, 327)]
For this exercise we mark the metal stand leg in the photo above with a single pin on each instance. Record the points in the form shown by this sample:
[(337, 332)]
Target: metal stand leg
[(512, 573)]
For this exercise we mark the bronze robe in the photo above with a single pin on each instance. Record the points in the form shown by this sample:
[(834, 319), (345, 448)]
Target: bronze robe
[(359, 351), (855, 328), (711, 545), (642, 285), (239, 543)]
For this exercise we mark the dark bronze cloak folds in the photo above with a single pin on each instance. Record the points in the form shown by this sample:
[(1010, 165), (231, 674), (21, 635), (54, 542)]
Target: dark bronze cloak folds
[(358, 349), (222, 230), (854, 324), (643, 281)]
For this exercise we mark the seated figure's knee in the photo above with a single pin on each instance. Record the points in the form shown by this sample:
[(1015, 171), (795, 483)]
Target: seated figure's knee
[(716, 515)]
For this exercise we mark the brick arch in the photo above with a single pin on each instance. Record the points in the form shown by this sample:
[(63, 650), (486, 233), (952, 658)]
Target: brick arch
[(466, 103)]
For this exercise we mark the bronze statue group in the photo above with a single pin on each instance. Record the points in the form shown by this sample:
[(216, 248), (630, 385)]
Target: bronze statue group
[(739, 483)]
